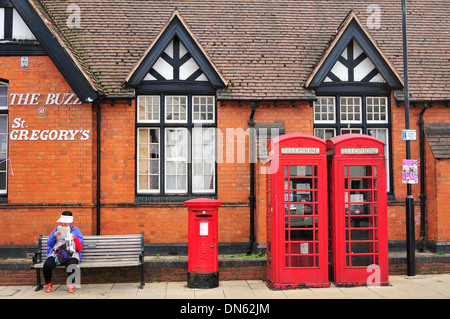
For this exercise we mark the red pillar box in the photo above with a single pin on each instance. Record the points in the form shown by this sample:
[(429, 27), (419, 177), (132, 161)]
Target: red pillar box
[(358, 210), (203, 264), (297, 232)]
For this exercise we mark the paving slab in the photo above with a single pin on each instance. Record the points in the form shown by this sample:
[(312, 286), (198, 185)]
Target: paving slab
[(237, 289), (213, 293), (123, 291), (329, 293), (360, 293), (179, 290), (95, 291), (153, 290), (300, 293)]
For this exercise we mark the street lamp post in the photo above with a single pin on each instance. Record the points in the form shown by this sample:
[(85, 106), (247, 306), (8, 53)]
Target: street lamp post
[(410, 236)]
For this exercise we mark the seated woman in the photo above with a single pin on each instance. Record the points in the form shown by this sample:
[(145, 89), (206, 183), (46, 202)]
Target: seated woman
[(59, 253)]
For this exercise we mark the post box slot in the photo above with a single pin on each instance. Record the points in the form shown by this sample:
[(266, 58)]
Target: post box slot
[(205, 216)]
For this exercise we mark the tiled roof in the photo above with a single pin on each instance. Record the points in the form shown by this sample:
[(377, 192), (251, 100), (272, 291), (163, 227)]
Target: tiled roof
[(265, 49), (59, 36)]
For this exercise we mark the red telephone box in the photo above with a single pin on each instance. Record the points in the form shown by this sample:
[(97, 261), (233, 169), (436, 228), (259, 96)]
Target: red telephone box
[(203, 264), (297, 240), (358, 210)]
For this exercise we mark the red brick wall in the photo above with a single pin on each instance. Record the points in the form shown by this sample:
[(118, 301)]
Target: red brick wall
[(436, 177), (45, 173), (117, 152)]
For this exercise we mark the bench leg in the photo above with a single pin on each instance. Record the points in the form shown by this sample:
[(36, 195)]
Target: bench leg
[(142, 277), (38, 280)]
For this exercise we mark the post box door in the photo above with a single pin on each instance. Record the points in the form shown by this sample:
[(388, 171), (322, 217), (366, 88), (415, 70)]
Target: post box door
[(204, 244)]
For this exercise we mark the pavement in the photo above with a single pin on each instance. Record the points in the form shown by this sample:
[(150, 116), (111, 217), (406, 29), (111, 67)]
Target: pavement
[(435, 286)]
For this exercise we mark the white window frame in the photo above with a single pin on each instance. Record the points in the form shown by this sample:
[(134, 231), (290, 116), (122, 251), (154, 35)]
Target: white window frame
[(354, 113), (318, 104), (166, 113), (176, 159), (163, 125), (4, 108), (202, 160), (322, 130), (208, 105), (148, 190), (145, 100), (5, 152), (4, 97), (386, 151), (378, 113), (352, 130)]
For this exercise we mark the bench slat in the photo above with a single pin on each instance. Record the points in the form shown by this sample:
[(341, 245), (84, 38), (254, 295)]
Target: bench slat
[(99, 264)]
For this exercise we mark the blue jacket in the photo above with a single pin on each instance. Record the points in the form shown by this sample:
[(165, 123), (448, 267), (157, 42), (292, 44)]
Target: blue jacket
[(52, 239)]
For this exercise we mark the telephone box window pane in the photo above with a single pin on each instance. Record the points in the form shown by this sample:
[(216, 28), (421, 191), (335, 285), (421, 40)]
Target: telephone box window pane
[(360, 209), (361, 171), (362, 261), (364, 234), (359, 222), (298, 209), (361, 196), (358, 183), (300, 196), (296, 170), (301, 222), (362, 248)]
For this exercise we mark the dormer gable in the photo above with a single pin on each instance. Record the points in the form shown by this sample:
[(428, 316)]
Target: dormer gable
[(354, 58), (175, 57)]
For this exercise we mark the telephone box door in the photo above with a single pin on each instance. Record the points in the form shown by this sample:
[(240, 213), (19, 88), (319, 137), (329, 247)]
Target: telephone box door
[(297, 213), (358, 199)]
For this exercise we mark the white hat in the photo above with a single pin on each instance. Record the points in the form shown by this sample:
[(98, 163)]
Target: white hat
[(65, 219)]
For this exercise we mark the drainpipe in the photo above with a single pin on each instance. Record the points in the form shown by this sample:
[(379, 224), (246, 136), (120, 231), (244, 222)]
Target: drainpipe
[(422, 195), (98, 200), (252, 197)]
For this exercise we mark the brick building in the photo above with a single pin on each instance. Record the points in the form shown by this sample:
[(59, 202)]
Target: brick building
[(122, 110)]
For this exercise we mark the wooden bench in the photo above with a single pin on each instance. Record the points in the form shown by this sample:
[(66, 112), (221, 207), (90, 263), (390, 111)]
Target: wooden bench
[(100, 252)]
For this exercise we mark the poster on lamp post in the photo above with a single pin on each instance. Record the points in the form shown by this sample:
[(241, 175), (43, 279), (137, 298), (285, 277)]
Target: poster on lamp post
[(409, 173)]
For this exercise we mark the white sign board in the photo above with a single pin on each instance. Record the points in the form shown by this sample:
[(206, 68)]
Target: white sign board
[(409, 135), (204, 227)]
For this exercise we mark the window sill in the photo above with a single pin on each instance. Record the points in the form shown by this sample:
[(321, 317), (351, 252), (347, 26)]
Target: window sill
[(169, 199)]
